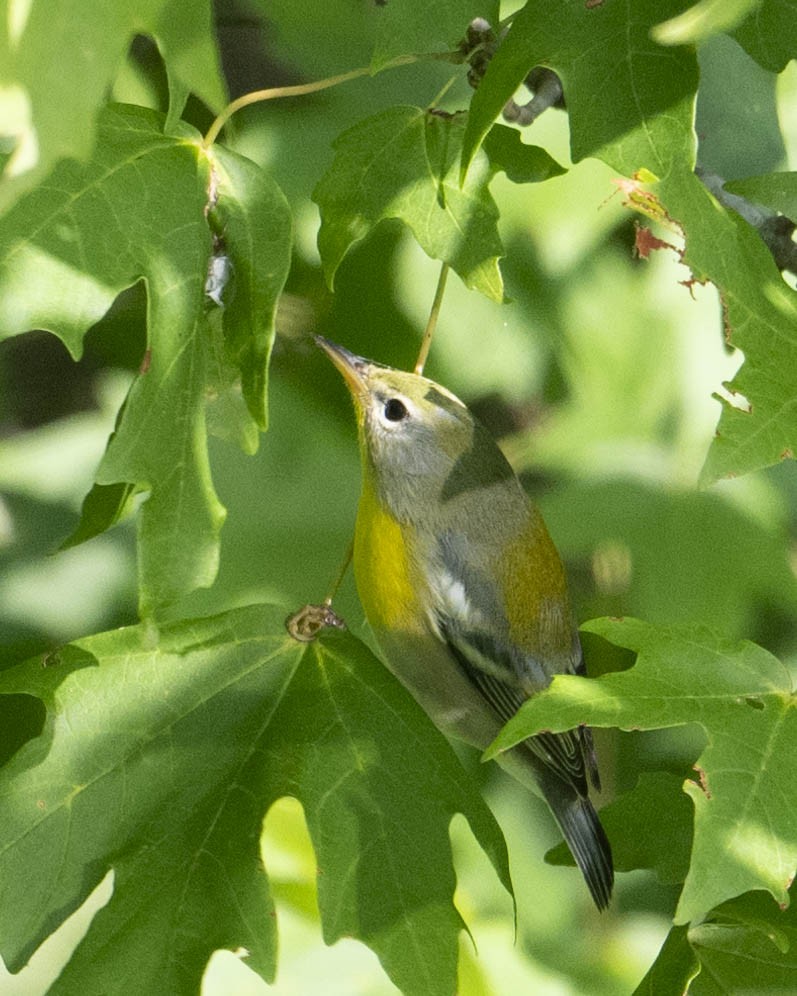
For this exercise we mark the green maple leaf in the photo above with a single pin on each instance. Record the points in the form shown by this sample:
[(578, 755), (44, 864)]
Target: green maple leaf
[(760, 312), (674, 968), (705, 19), (744, 831), (159, 756), (745, 945), (629, 99), (49, 101), (522, 163), (639, 120), (137, 210), (253, 221), (769, 34), (777, 190), (403, 163), (748, 944)]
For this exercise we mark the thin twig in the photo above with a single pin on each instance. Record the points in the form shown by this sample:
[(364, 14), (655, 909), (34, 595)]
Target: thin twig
[(426, 342), (340, 575), (298, 90)]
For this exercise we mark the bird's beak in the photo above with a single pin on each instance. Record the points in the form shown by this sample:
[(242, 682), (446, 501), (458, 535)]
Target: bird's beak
[(352, 367)]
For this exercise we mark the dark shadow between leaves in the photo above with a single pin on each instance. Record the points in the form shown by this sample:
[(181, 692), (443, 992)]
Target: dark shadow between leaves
[(21, 719)]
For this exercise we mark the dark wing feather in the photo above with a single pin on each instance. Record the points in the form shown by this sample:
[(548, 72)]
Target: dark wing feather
[(490, 668)]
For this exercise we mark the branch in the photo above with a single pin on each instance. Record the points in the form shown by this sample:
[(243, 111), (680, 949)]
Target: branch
[(775, 229)]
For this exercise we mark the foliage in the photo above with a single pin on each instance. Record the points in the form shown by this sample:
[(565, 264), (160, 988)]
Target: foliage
[(743, 834), (155, 750), (318, 722)]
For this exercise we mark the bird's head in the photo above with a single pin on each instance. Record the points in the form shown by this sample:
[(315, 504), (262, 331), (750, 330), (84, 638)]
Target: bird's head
[(420, 443), (408, 424)]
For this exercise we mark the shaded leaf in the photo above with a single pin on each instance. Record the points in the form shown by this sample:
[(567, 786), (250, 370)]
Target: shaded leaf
[(137, 210), (722, 114), (253, 221), (746, 945), (675, 966), (522, 163), (745, 836), (708, 580), (776, 190), (161, 753), (770, 34), (103, 507), (96, 37), (629, 99), (650, 827), (403, 163), (416, 27)]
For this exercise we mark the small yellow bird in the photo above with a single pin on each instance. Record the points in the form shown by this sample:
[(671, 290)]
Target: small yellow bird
[(464, 589)]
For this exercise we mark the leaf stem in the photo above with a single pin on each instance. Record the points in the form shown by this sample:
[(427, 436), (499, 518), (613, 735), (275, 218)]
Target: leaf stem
[(340, 575), (297, 90), (431, 325), (443, 91)]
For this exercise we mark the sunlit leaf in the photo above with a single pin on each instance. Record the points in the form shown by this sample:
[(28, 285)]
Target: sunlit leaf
[(161, 753), (58, 96), (135, 211), (404, 163), (745, 836), (629, 99), (704, 19), (758, 425)]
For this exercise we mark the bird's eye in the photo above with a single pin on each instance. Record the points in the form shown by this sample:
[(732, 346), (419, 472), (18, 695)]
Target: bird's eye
[(395, 410)]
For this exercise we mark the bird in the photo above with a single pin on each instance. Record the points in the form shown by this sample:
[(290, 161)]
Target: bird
[(464, 590)]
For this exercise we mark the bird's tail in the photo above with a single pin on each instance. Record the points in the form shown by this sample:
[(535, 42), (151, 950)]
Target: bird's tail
[(587, 841)]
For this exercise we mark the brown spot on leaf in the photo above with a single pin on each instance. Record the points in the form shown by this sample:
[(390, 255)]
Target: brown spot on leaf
[(645, 201), (645, 242), (690, 284), (727, 329), (703, 780)]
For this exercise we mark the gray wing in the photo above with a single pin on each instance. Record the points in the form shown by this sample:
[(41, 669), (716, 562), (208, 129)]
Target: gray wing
[(493, 670)]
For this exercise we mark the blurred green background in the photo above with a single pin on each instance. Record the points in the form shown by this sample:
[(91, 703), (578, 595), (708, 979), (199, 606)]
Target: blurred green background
[(597, 376)]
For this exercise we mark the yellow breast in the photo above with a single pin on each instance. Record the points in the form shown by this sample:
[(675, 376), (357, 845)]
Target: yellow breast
[(387, 580)]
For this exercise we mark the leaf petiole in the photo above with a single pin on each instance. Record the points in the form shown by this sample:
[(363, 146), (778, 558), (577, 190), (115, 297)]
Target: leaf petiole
[(296, 90), (426, 342)]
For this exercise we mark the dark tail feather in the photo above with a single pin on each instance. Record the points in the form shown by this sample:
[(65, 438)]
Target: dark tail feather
[(588, 844)]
